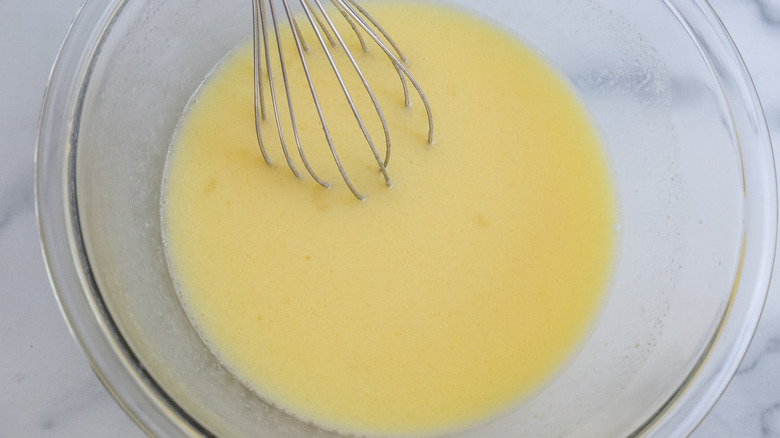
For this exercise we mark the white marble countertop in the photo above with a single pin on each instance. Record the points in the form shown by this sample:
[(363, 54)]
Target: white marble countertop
[(47, 388)]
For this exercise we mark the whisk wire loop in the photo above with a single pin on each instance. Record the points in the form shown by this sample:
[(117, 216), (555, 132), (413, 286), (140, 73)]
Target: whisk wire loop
[(321, 25), (260, 112), (399, 65), (324, 29), (317, 106), (379, 28), (351, 103), (289, 100)]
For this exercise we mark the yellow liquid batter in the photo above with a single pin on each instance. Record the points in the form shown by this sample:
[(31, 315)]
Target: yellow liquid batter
[(433, 305)]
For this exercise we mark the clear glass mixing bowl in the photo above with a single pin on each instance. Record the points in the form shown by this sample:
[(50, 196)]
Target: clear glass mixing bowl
[(682, 126)]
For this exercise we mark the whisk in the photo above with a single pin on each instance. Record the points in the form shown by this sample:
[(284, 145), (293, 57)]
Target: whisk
[(328, 36)]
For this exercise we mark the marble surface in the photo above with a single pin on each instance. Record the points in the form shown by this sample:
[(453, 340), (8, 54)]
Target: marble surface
[(47, 388)]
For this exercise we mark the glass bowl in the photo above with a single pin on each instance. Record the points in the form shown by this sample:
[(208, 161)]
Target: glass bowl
[(682, 127)]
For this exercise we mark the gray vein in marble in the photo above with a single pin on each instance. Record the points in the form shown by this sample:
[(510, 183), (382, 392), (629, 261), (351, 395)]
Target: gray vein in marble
[(16, 197), (770, 421), (769, 10), (63, 407), (772, 347)]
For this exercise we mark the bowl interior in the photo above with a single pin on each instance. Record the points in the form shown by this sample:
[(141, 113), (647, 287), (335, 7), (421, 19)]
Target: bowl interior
[(681, 177)]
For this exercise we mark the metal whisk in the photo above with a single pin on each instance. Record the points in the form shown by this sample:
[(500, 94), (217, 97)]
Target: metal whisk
[(328, 36)]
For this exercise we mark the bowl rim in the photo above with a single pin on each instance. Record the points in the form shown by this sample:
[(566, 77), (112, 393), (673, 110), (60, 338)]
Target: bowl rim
[(156, 413), (724, 352), (67, 264)]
